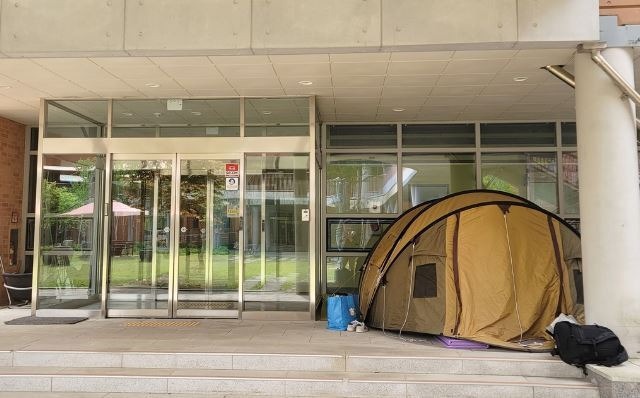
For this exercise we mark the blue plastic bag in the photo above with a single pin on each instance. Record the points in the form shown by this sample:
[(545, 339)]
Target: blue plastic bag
[(339, 310)]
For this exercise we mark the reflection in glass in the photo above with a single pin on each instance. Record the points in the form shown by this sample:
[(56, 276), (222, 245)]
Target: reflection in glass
[(358, 136), (208, 260), (346, 234), (361, 184), (276, 265), (517, 134), (139, 258), (531, 175), (343, 273), (76, 119), (271, 117), (432, 176), (438, 135), (570, 181), (69, 271), (569, 134), (195, 118)]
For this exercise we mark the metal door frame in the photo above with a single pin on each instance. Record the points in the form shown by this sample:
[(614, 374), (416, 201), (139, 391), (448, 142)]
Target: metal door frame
[(176, 242), (154, 313)]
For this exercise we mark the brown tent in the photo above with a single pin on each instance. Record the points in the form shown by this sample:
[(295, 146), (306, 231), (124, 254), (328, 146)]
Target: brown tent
[(480, 265)]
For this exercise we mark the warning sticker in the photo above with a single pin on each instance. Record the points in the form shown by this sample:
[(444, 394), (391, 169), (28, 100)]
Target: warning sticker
[(232, 170)]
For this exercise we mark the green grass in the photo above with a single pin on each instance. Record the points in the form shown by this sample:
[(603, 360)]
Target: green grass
[(130, 271)]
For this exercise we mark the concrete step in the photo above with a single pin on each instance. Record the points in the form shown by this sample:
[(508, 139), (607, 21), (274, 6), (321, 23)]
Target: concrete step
[(284, 383), (440, 362)]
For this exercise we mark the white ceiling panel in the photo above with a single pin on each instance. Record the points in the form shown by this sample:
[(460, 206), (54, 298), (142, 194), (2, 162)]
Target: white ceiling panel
[(448, 91), (438, 85), (358, 81), (459, 66), (465, 79), (306, 70), (359, 68), (247, 71), (357, 92), (417, 67)]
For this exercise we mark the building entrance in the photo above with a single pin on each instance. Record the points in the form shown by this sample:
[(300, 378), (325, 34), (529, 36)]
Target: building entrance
[(175, 236)]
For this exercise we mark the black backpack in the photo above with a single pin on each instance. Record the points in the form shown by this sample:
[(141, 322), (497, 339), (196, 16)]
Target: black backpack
[(580, 345)]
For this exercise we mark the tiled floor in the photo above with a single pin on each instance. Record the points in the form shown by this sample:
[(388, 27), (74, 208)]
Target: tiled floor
[(215, 335)]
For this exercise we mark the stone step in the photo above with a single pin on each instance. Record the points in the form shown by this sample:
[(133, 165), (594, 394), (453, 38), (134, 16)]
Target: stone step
[(285, 383), (441, 362)]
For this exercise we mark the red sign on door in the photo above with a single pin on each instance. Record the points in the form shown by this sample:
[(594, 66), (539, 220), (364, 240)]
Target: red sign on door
[(232, 170)]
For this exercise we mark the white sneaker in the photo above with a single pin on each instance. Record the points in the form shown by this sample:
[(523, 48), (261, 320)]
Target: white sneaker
[(351, 327), (361, 328)]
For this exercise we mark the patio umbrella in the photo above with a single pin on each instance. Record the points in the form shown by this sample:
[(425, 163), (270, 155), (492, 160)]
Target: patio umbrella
[(118, 209)]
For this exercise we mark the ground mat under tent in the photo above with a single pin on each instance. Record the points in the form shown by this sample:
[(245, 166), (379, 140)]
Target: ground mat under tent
[(35, 320)]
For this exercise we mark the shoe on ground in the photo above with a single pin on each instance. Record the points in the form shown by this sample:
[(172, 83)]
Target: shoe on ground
[(351, 327), (361, 328)]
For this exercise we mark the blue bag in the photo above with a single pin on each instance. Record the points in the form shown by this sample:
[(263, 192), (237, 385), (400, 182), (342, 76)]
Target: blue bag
[(338, 311)]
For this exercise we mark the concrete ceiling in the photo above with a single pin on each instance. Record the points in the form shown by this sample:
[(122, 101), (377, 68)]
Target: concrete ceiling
[(427, 86)]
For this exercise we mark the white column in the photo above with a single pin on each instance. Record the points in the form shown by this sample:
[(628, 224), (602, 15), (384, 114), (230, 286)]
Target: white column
[(609, 197)]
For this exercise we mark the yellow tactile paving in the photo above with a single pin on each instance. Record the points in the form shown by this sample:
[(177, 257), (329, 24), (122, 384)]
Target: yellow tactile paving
[(161, 324)]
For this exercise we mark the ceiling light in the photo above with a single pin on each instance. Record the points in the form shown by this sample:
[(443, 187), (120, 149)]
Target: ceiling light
[(520, 79), (194, 113), (157, 114), (127, 114), (3, 87), (398, 109), (266, 112), (152, 85), (305, 82)]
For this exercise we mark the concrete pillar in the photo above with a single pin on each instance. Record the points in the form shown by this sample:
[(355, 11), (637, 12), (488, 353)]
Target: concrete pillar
[(609, 197)]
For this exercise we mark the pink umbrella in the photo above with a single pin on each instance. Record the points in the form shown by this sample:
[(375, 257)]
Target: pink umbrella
[(119, 209)]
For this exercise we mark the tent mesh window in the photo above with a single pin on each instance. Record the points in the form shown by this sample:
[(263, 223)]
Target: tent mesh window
[(425, 283)]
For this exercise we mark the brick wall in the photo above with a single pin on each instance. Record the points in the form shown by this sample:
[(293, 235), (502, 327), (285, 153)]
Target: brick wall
[(627, 11), (11, 178)]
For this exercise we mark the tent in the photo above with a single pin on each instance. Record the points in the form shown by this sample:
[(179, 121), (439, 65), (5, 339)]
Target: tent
[(481, 265)]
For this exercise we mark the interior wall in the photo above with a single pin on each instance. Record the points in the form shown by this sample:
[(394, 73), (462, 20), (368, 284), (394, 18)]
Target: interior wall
[(11, 178)]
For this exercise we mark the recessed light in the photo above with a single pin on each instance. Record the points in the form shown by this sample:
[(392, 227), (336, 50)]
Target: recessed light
[(127, 114), (3, 87), (266, 112), (398, 109), (157, 114), (520, 79), (194, 113), (152, 85), (305, 82)]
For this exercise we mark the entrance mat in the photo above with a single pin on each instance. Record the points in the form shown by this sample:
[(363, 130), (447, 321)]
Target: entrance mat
[(161, 324), (39, 320)]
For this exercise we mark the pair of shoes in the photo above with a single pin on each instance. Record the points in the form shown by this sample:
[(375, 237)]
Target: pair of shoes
[(357, 327)]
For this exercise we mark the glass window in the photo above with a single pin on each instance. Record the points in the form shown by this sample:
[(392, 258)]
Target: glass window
[(570, 181), (276, 117), (432, 176), (29, 234), (438, 135), (569, 134), (276, 230), (76, 119), (33, 139), (517, 134), (361, 184), (343, 273), (69, 272), (354, 234), (195, 118), (361, 136), (33, 177), (531, 175)]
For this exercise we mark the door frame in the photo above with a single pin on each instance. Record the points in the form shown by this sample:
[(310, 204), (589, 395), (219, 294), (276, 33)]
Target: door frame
[(137, 313), (195, 313)]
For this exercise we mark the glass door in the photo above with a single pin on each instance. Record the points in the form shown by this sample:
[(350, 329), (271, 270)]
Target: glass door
[(209, 238), (140, 261), (277, 248)]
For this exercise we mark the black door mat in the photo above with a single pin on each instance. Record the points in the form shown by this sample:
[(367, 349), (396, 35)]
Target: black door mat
[(39, 320)]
